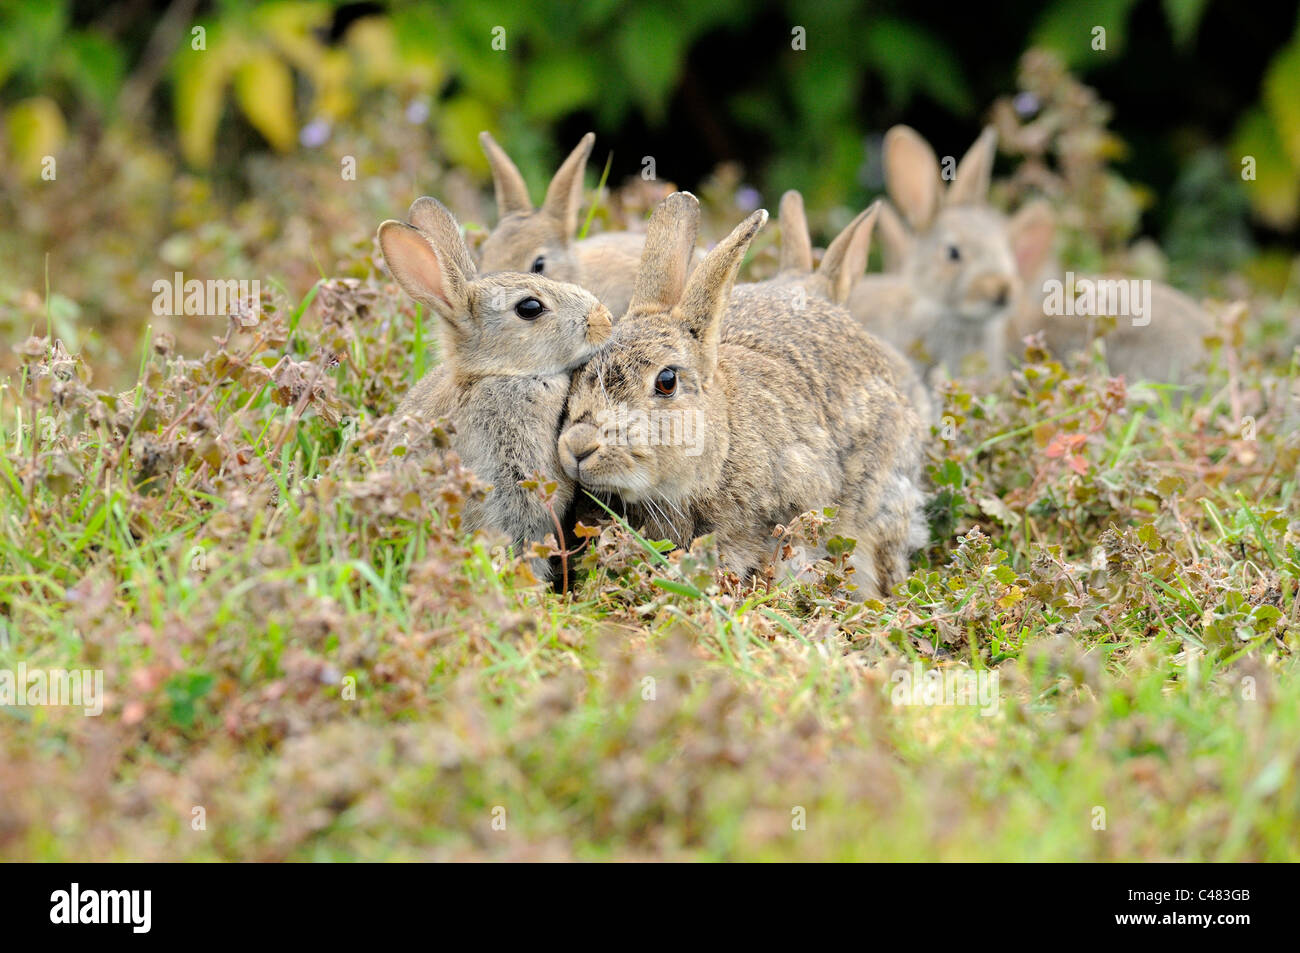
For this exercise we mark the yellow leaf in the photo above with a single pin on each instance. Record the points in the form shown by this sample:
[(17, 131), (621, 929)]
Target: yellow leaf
[(293, 28), (334, 99), (264, 91), (201, 77), (1275, 190), (1282, 98), (375, 48), (35, 129)]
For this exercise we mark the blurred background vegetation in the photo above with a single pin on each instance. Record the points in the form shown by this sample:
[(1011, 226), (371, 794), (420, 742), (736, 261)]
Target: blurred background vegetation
[(209, 137)]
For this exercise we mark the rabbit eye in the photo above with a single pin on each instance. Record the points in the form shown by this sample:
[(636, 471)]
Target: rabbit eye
[(666, 382), (530, 309), (954, 253), (539, 264)]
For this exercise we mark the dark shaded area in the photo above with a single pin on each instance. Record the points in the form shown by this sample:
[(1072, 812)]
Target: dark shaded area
[(1167, 100)]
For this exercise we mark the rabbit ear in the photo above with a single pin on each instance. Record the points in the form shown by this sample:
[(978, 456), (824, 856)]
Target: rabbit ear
[(564, 194), (911, 175), (1031, 231), (423, 273), (846, 258), (896, 239), (438, 224), (512, 192), (975, 170), (709, 287), (796, 246), (669, 245)]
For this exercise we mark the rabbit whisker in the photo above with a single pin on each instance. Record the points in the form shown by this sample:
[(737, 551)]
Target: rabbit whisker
[(675, 508), (662, 519)]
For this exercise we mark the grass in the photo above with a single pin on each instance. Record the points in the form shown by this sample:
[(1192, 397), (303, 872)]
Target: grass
[(305, 659)]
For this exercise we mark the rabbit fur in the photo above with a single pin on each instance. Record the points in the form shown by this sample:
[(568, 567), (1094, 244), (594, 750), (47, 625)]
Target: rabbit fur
[(542, 240), (504, 377), (796, 410), (959, 265), (841, 267)]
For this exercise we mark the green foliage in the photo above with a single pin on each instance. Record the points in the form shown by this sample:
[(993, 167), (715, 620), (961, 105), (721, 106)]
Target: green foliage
[(910, 60), (1208, 232), (1268, 136), (44, 61), (40, 52), (1184, 17), (513, 67), (1068, 28), (624, 61)]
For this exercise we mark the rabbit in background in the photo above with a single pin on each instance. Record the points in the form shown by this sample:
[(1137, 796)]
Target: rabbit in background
[(509, 343), (798, 410), (960, 258), (543, 240), (957, 267), (1165, 344), (841, 267)]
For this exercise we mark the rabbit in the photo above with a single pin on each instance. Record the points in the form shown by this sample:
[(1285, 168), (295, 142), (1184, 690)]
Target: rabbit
[(509, 343), (1167, 347), (957, 266), (1165, 344), (541, 240), (840, 269), (742, 412)]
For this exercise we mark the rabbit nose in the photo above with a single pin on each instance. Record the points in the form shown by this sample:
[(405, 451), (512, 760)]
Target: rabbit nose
[(599, 324), (581, 441), (993, 288)]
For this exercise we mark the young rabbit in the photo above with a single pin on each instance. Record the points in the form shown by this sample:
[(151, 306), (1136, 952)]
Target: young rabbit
[(727, 411), (1164, 344), (959, 265), (509, 341), (541, 240), (840, 269)]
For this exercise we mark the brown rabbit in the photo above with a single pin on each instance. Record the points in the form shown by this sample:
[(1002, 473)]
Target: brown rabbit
[(509, 343), (959, 265), (541, 240), (713, 410), (839, 271), (1165, 343)]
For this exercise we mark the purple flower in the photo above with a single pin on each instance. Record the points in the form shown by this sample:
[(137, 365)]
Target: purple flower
[(747, 198), (1026, 104), (417, 111), (314, 134)]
